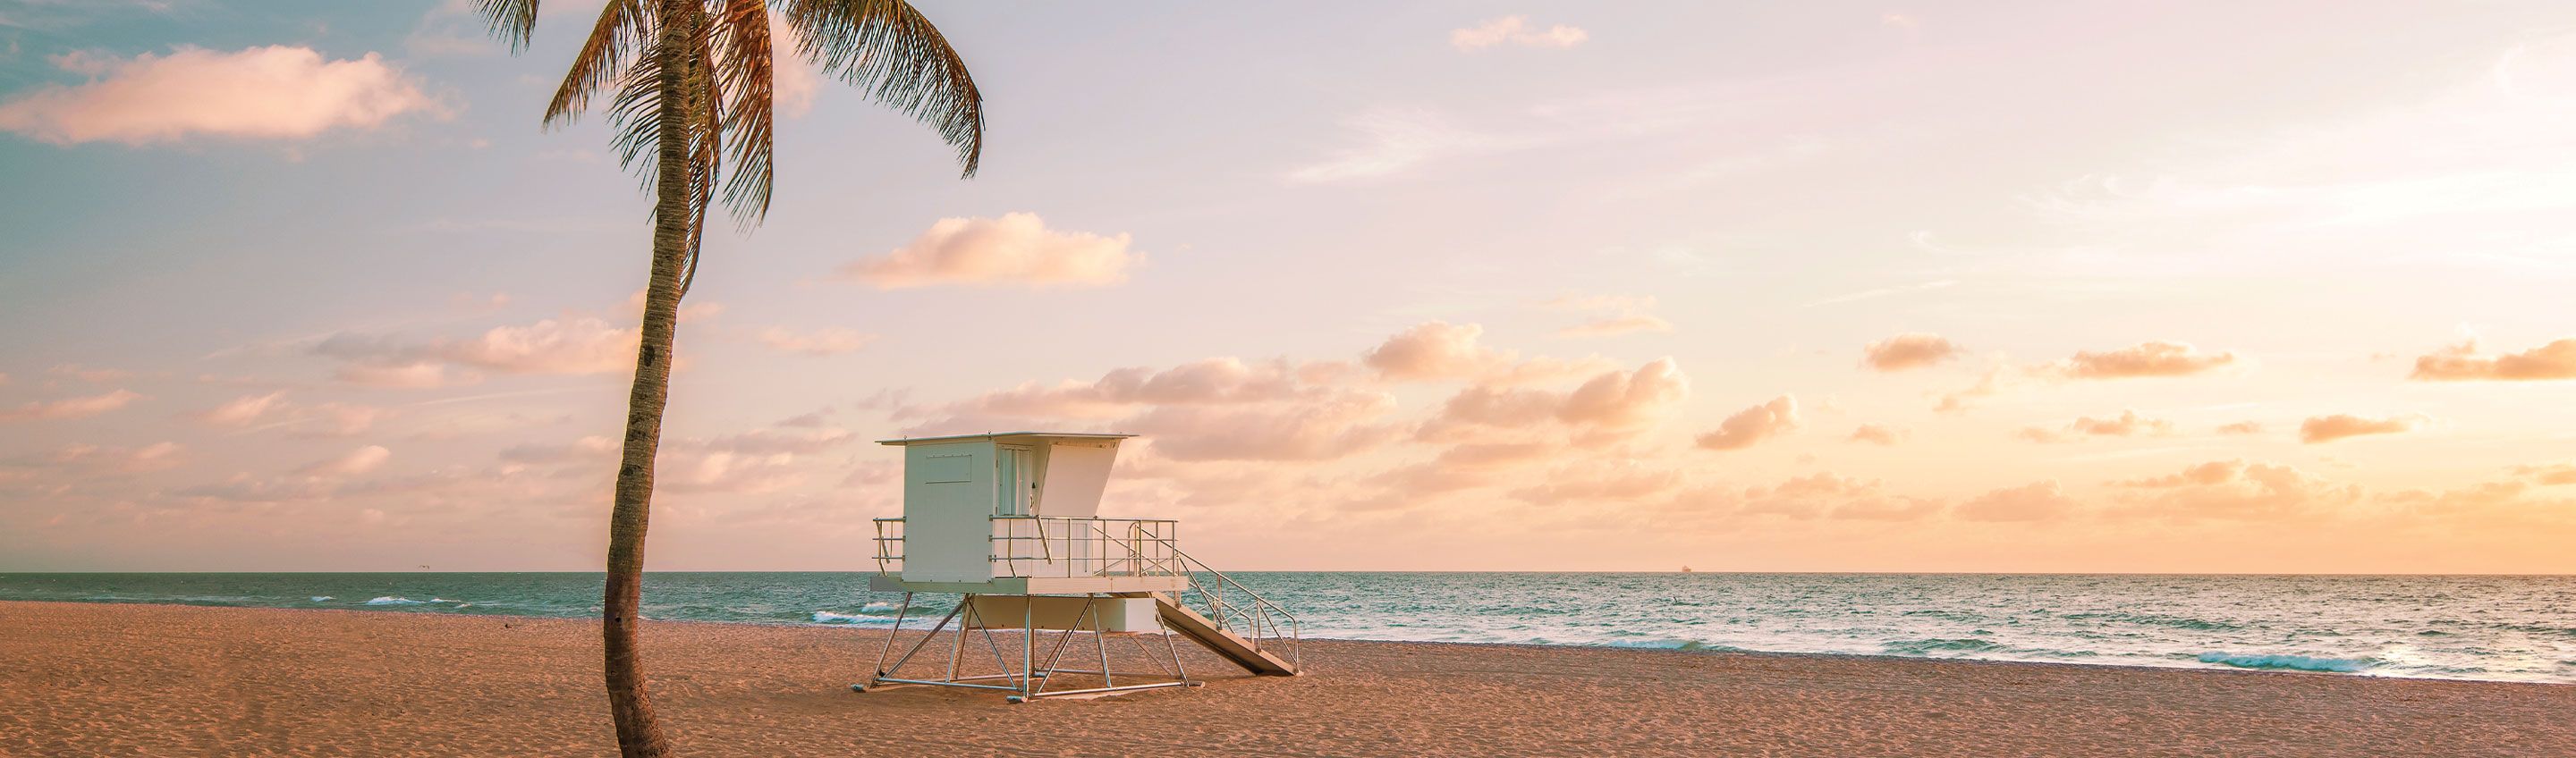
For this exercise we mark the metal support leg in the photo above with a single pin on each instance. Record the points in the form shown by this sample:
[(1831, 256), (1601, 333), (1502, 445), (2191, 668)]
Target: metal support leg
[(889, 645)]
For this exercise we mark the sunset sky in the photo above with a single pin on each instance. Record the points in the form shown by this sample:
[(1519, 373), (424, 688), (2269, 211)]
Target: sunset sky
[(2012, 286)]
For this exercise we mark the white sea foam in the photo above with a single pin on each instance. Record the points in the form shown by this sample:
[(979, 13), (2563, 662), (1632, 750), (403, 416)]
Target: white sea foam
[(394, 600), (828, 617), (2290, 662), (320, 598)]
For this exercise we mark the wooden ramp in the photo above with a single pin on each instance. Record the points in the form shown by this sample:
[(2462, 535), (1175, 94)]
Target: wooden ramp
[(1213, 636)]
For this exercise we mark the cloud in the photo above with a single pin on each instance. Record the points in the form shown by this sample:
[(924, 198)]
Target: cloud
[(2236, 489), (2320, 429), (70, 408), (1611, 401), (1208, 381), (274, 92), (2549, 475), (1434, 350), (2038, 501), (83, 457), (2151, 358), (1516, 30), (2242, 427), (1876, 434), (241, 411), (551, 346), (1014, 249), (828, 341), (352, 463), (2461, 362), (2127, 424), (1908, 351), (1752, 425), (1615, 315)]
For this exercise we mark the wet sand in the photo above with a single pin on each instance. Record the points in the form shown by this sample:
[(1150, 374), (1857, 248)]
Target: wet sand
[(88, 679)]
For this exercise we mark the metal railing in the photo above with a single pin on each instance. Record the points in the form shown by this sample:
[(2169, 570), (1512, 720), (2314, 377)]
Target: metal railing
[(1240, 611), (1041, 546), (1056, 547)]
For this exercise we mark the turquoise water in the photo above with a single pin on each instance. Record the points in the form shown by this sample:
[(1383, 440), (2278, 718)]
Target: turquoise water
[(2487, 628)]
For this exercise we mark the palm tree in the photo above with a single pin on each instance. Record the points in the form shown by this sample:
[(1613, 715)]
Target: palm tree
[(692, 112)]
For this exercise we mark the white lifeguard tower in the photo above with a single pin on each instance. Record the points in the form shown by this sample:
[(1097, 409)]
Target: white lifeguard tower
[(1011, 523)]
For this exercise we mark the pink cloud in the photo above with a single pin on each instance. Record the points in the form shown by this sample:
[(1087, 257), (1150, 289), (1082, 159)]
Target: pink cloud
[(1876, 434), (2037, 501), (2151, 358), (2235, 489), (1517, 31), (2460, 363), (1014, 249), (274, 92), (241, 411), (551, 346), (2342, 425), (2127, 424), (1611, 401), (70, 408), (352, 463), (1908, 351), (1747, 427), (1434, 350), (2242, 427)]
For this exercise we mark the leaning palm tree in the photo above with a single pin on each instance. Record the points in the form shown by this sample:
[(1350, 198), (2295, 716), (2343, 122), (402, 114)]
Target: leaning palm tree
[(691, 113)]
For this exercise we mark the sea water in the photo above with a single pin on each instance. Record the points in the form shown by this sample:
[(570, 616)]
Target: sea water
[(2449, 627)]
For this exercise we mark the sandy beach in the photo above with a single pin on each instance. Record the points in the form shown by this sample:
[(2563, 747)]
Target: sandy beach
[(85, 679)]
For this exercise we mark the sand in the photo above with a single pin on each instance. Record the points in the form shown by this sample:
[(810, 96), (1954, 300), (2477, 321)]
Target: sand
[(84, 679)]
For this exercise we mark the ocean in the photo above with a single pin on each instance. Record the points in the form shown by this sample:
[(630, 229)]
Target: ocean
[(2445, 627)]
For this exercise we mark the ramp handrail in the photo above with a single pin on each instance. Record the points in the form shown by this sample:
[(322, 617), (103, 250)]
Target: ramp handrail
[(1254, 618)]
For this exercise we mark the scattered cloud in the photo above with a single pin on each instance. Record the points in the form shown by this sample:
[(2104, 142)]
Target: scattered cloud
[(570, 345), (2550, 474), (274, 92), (2236, 489), (1747, 427), (352, 463), (827, 341), (1908, 351), (2461, 362), (2242, 427), (2127, 424), (1878, 435), (244, 410), (1433, 351), (1014, 249), (2341, 425), (1613, 401), (2038, 501), (70, 408), (2151, 358), (1517, 31)]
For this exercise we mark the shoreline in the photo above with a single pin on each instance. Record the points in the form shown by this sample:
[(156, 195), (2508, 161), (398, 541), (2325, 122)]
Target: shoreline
[(1705, 650), (99, 678)]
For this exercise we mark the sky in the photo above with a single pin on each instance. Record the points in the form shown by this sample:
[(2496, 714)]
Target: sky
[(1832, 286)]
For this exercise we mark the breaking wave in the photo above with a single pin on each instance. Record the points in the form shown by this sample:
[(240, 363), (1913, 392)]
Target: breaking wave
[(2290, 662), (396, 600)]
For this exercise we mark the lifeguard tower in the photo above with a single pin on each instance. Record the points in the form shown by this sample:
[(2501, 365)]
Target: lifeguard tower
[(1011, 523)]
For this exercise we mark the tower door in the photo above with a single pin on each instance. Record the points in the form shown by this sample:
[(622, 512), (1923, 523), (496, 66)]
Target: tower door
[(1015, 476)]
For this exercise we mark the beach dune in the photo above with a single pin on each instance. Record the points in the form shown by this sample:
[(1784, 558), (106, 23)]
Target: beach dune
[(90, 679)]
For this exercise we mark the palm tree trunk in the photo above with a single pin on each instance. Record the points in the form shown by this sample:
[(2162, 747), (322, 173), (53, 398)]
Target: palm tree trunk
[(639, 734)]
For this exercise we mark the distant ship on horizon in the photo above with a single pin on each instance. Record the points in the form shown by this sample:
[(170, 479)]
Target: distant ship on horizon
[(1686, 569)]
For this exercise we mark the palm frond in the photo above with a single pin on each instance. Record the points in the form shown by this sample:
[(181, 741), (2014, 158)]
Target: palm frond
[(620, 28), (512, 20), (892, 51), (745, 88)]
